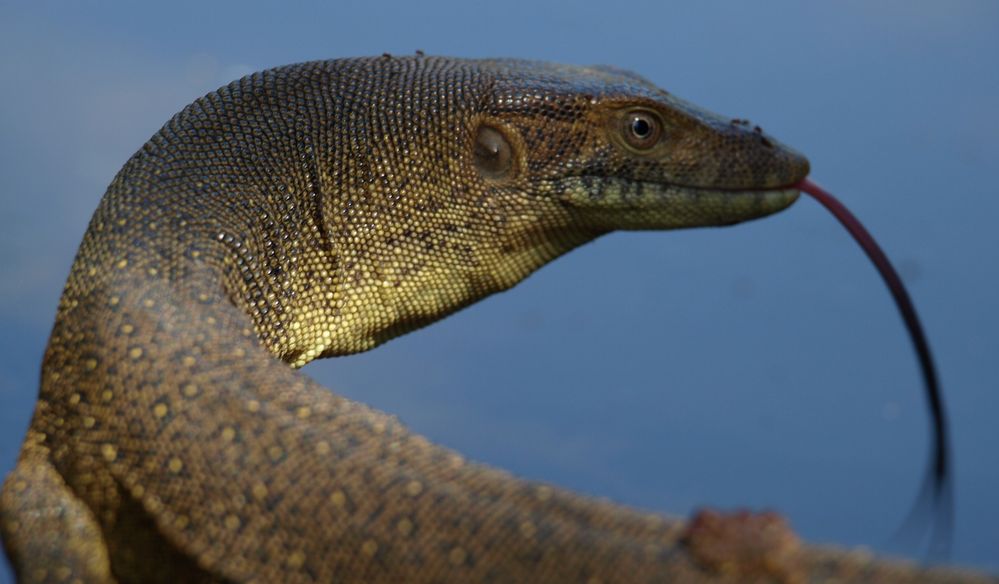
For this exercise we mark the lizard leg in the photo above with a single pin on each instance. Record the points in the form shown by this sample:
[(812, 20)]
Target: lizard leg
[(49, 534)]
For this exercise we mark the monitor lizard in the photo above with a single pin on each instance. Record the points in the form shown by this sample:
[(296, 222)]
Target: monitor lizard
[(321, 209)]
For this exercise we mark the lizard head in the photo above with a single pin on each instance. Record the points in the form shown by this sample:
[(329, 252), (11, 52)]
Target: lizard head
[(447, 180), (619, 153)]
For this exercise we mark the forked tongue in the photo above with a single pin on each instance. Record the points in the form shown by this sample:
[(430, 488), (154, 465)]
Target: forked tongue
[(936, 489)]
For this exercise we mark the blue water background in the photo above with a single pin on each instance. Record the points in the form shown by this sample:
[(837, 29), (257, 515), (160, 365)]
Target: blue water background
[(759, 366)]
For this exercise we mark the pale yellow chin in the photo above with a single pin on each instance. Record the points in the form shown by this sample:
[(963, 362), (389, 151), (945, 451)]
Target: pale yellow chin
[(623, 205)]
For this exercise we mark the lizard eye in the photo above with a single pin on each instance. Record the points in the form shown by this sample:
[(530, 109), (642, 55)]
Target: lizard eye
[(493, 153), (642, 129)]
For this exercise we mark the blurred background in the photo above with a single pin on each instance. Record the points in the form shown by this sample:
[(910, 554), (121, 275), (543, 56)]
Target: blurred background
[(759, 366)]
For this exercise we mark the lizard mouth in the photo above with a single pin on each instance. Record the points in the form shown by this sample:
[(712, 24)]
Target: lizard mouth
[(613, 203)]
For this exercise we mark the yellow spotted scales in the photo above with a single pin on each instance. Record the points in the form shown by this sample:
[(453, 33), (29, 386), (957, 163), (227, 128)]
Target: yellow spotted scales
[(321, 209)]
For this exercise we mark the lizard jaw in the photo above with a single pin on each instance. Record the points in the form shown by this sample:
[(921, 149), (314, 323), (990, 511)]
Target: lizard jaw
[(609, 203)]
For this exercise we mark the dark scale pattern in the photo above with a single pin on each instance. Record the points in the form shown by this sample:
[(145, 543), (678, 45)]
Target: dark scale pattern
[(321, 209)]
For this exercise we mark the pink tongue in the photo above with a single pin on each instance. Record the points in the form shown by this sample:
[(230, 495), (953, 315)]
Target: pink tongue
[(937, 483)]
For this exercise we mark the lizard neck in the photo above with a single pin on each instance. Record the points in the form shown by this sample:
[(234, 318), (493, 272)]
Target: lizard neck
[(355, 286), (328, 251)]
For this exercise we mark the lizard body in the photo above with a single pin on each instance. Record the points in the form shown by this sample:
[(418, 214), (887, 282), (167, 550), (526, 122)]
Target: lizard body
[(321, 209)]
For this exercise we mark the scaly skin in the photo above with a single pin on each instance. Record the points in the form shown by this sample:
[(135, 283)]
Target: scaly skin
[(317, 210)]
